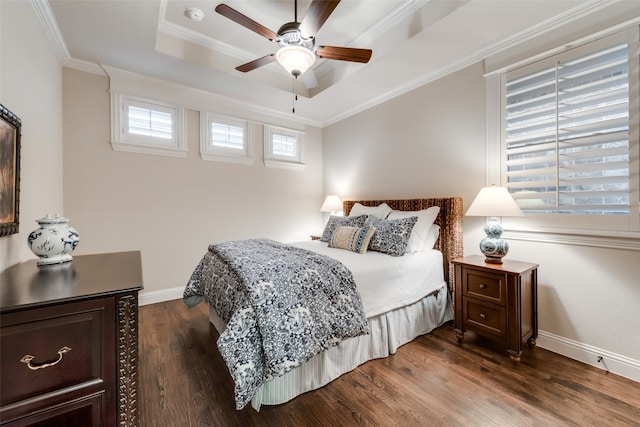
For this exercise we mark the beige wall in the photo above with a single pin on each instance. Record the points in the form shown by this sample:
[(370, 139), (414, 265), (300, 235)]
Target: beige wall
[(31, 87), (431, 142), (173, 208)]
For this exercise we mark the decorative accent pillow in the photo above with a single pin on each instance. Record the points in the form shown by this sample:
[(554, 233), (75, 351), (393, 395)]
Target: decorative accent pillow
[(419, 240), (392, 235), (336, 221), (354, 239), (380, 211)]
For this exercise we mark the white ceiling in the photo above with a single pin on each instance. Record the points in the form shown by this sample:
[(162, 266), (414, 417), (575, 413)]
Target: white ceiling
[(413, 42)]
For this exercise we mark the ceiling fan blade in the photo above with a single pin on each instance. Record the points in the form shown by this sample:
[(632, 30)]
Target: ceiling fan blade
[(316, 15), (344, 53), (245, 21), (257, 63)]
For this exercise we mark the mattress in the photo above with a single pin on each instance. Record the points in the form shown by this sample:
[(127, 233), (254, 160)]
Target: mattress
[(387, 282)]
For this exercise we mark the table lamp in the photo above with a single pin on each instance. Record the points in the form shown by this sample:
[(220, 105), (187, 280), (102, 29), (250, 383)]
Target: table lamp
[(332, 204), (494, 202)]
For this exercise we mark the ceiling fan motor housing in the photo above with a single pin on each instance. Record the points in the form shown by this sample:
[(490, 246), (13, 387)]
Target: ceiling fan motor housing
[(289, 34)]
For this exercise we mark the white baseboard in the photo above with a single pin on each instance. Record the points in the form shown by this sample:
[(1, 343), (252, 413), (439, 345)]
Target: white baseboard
[(154, 297), (611, 362), (603, 359)]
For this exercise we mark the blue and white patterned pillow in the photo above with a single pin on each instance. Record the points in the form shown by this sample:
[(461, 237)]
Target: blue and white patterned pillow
[(354, 239), (336, 221), (392, 235)]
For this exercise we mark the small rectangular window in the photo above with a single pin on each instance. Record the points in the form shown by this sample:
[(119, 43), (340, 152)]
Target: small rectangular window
[(147, 126), (225, 139), (283, 148)]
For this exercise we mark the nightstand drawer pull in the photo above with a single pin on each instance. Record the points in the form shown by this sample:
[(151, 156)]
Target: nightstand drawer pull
[(483, 286), (27, 358), (483, 316)]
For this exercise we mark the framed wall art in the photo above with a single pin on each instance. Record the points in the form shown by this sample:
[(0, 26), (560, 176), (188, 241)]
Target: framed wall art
[(10, 128)]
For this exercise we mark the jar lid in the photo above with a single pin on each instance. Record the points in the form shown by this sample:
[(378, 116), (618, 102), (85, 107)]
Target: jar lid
[(53, 219)]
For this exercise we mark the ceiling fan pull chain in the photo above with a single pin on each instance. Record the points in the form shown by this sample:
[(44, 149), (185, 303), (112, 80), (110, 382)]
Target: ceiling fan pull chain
[(295, 94)]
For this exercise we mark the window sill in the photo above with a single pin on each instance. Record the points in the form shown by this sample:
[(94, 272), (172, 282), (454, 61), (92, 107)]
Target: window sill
[(284, 165), (141, 149), (629, 241), (241, 160)]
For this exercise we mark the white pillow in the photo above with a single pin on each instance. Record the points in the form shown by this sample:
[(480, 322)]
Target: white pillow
[(380, 211), (432, 237), (419, 240)]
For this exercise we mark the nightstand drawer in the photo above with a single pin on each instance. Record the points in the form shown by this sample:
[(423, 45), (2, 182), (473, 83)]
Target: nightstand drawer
[(486, 317), (485, 286), (58, 350)]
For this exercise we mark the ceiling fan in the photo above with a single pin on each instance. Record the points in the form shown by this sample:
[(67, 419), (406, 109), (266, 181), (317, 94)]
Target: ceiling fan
[(296, 39)]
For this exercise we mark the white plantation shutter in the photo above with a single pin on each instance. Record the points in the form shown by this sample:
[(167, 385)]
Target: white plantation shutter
[(228, 136), (150, 122), (284, 145), (225, 139), (566, 133)]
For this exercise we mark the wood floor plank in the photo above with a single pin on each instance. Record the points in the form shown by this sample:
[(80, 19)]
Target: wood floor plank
[(432, 381)]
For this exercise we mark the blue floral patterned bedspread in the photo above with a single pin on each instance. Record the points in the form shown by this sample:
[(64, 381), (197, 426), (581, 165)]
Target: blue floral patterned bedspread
[(282, 305)]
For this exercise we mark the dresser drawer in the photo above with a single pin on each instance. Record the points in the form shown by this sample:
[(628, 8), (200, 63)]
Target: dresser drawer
[(485, 286), (55, 353), (85, 412), (485, 317)]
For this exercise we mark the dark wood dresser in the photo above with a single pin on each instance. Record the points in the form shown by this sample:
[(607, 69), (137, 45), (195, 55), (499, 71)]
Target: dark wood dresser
[(69, 342), (498, 301)]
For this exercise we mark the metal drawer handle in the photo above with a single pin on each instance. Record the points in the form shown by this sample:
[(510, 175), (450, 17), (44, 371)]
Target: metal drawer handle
[(483, 286), (27, 358), (482, 315)]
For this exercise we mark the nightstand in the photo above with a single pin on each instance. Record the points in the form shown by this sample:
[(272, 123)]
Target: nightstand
[(315, 237), (498, 301)]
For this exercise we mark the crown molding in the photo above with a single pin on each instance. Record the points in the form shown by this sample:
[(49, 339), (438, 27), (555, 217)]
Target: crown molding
[(50, 27)]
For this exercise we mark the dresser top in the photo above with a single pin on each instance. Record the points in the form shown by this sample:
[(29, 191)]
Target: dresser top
[(86, 276)]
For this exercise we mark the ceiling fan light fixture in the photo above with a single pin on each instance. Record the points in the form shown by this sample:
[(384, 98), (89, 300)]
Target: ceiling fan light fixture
[(295, 59)]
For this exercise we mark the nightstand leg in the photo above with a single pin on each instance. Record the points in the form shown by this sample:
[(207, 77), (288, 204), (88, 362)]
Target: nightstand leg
[(531, 342), (459, 335), (515, 355)]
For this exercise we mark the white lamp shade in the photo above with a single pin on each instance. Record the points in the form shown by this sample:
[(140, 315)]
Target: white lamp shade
[(295, 59), (494, 201), (331, 204)]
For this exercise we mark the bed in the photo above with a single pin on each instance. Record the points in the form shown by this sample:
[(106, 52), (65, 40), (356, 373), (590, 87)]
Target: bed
[(397, 307)]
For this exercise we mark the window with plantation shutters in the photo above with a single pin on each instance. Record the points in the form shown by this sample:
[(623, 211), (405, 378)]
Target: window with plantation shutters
[(567, 135), (225, 139), (146, 126), (570, 134), (283, 148)]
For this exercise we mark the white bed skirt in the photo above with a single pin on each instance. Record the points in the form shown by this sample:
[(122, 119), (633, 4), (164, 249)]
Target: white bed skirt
[(388, 331)]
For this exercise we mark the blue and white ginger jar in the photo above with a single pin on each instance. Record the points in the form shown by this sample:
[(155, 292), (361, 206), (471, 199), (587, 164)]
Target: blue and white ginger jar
[(54, 241)]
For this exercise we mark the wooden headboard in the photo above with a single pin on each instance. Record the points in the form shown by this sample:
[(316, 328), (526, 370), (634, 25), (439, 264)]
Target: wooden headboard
[(449, 219)]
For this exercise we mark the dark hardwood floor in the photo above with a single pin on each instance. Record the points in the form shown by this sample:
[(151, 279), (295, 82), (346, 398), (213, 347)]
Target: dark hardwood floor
[(429, 382)]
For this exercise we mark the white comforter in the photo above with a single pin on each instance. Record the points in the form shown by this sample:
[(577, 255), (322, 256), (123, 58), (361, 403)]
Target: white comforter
[(386, 282)]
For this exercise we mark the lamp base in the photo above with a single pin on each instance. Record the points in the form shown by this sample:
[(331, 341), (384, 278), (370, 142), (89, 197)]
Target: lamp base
[(493, 247)]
